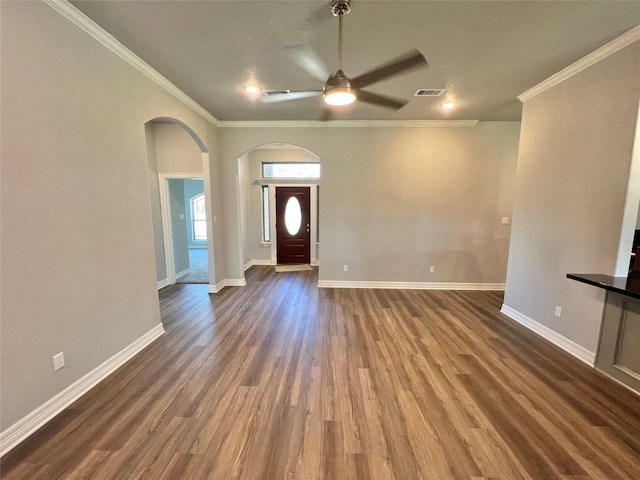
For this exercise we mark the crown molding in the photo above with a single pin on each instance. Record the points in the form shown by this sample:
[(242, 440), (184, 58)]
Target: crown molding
[(594, 57), (71, 13), (351, 123)]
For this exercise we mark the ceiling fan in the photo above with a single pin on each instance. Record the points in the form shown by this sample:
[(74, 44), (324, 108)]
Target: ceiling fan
[(339, 89)]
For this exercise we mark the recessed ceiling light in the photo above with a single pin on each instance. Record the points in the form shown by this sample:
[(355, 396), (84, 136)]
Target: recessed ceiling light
[(448, 105), (252, 89)]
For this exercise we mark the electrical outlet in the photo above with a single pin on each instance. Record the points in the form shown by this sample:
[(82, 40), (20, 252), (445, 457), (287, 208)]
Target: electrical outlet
[(346, 268), (558, 311), (432, 269), (58, 361), (505, 221)]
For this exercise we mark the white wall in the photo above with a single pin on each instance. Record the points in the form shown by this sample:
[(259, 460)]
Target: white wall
[(573, 170), (394, 201), (78, 270)]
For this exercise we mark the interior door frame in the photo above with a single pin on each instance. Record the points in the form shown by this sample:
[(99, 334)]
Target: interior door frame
[(165, 210), (314, 244)]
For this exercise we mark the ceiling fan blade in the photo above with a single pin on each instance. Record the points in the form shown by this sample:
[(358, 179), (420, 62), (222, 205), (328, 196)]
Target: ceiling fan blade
[(293, 95), (309, 61), (380, 100), (409, 61)]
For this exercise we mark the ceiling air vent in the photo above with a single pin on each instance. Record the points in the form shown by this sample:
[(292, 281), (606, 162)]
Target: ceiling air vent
[(275, 92), (429, 92)]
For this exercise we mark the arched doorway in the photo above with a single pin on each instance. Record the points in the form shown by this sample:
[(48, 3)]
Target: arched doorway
[(262, 170), (175, 155)]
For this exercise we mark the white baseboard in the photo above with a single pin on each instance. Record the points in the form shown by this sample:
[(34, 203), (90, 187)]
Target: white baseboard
[(257, 261), (264, 261), (183, 273), (229, 282), (217, 287), (552, 336), (163, 283), (410, 285), (23, 428)]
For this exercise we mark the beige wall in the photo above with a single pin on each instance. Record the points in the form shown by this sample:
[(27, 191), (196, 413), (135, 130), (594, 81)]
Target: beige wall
[(78, 271), (154, 196), (177, 152), (394, 201), (573, 171), (244, 193)]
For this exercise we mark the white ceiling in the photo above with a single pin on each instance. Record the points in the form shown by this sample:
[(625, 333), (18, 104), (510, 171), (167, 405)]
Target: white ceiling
[(484, 53)]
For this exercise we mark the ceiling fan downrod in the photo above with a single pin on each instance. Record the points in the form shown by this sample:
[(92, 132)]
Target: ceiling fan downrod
[(340, 8)]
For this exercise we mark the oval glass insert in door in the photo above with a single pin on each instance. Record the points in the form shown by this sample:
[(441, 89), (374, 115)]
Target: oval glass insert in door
[(293, 216)]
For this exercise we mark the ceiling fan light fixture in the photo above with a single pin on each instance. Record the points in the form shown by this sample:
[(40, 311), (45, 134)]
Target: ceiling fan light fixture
[(338, 96), (338, 90)]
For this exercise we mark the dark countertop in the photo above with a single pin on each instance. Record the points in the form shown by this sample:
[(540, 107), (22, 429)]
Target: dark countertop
[(629, 286)]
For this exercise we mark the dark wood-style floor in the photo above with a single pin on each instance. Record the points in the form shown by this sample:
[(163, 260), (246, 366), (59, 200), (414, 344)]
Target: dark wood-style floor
[(282, 380)]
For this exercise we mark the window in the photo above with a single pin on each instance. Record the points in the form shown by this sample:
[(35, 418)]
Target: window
[(291, 170), (199, 218), (293, 216), (266, 237)]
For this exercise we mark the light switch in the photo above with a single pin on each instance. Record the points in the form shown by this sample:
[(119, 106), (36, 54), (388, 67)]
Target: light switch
[(182, 216)]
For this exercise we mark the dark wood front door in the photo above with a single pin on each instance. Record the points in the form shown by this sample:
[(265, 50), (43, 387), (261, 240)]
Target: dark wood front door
[(292, 225)]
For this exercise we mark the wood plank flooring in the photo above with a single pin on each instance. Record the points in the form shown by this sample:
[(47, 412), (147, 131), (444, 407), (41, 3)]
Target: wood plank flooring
[(282, 380)]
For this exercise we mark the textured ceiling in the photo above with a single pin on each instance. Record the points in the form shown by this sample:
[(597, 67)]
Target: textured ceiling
[(483, 53)]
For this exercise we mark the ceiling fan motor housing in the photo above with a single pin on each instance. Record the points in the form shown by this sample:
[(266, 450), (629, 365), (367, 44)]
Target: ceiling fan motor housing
[(339, 80)]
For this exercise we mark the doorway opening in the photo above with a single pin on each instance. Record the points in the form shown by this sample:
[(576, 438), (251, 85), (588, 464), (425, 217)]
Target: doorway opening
[(263, 171), (184, 204), (181, 207)]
